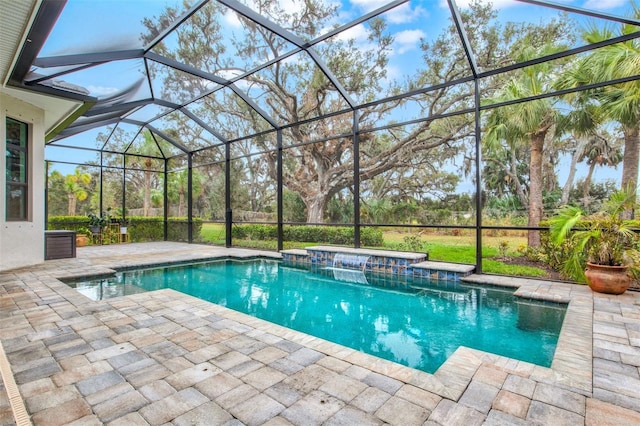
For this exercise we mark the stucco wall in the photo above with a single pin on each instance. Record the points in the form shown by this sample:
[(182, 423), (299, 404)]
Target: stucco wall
[(22, 243)]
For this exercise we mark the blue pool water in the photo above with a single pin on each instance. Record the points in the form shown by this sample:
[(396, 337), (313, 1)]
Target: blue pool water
[(410, 321)]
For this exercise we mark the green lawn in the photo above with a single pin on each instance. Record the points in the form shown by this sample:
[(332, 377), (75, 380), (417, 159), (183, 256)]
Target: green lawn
[(462, 249), (213, 233), (446, 248)]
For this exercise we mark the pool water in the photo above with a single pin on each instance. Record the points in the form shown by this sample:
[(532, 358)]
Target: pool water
[(415, 322)]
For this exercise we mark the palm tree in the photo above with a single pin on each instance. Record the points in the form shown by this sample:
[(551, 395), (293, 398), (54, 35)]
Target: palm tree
[(178, 185), (599, 152), (75, 187), (526, 123), (619, 102), (588, 140)]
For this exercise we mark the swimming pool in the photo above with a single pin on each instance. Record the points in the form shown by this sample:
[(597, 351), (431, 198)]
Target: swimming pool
[(415, 322)]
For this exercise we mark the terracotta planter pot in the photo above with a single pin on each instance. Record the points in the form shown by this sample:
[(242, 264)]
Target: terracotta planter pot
[(607, 279), (81, 240)]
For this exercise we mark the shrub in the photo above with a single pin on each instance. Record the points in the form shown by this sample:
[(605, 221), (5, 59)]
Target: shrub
[(303, 233), (146, 228), (556, 255), (71, 223), (178, 229), (413, 243), (503, 248), (371, 237)]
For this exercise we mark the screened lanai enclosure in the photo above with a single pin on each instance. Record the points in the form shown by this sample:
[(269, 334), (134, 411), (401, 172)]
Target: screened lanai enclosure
[(451, 127)]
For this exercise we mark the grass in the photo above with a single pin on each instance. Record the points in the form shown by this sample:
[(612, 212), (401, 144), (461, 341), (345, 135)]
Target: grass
[(496, 267), (441, 247), (462, 249), (213, 233)]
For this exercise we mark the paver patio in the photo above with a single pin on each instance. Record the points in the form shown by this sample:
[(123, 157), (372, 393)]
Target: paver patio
[(163, 357)]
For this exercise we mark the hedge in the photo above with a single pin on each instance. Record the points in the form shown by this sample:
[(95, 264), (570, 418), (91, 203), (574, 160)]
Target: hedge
[(320, 234), (140, 228)]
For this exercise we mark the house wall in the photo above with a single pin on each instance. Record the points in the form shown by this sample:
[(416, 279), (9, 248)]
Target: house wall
[(22, 243)]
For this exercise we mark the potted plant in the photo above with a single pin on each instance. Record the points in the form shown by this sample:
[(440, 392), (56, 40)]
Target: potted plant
[(82, 236), (96, 223), (124, 223), (602, 245)]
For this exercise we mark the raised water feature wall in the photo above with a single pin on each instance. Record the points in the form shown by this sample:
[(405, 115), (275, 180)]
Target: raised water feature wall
[(379, 261)]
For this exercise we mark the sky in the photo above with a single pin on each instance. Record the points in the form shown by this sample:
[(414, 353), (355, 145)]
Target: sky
[(119, 26)]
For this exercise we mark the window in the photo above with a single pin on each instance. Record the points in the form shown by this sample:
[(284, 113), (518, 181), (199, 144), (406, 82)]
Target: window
[(17, 176)]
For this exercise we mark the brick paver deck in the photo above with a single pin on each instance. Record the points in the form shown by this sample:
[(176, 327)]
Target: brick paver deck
[(167, 358)]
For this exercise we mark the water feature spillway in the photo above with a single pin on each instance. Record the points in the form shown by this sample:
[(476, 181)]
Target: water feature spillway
[(350, 267)]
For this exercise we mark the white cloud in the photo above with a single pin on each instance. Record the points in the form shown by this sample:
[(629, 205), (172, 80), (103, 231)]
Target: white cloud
[(243, 85), (393, 73), (497, 4), (403, 42), (231, 19), (292, 6), (101, 91), (407, 40), (359, 33), (398, 15), (403, 14), (229, 74), (409, 36), (369, 5)]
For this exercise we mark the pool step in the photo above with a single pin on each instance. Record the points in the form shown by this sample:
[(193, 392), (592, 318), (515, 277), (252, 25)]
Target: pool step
[(381, 261), (527, 288)]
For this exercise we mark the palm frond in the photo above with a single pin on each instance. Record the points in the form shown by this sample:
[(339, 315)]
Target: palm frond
[(562, 224)]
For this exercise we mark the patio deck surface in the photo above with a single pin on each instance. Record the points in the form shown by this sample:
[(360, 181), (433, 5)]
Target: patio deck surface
[(163, 357)]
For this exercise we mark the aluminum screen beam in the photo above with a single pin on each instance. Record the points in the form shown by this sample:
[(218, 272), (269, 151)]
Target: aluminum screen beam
[(466, 45), (291, 38), (175, 24), (88, 58), (214, 78), (573, 9)]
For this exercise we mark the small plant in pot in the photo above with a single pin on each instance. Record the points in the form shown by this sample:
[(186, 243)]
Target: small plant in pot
[(124, 224), (96, 223), (603, 245)]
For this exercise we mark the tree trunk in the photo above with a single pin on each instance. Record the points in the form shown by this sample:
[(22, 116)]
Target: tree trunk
[(514, 174), (72, 205), (630, 161), (146, 207), (587, 185), (535, 187), (577, 154), (181, 203), (315, 209), (550, 152)]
